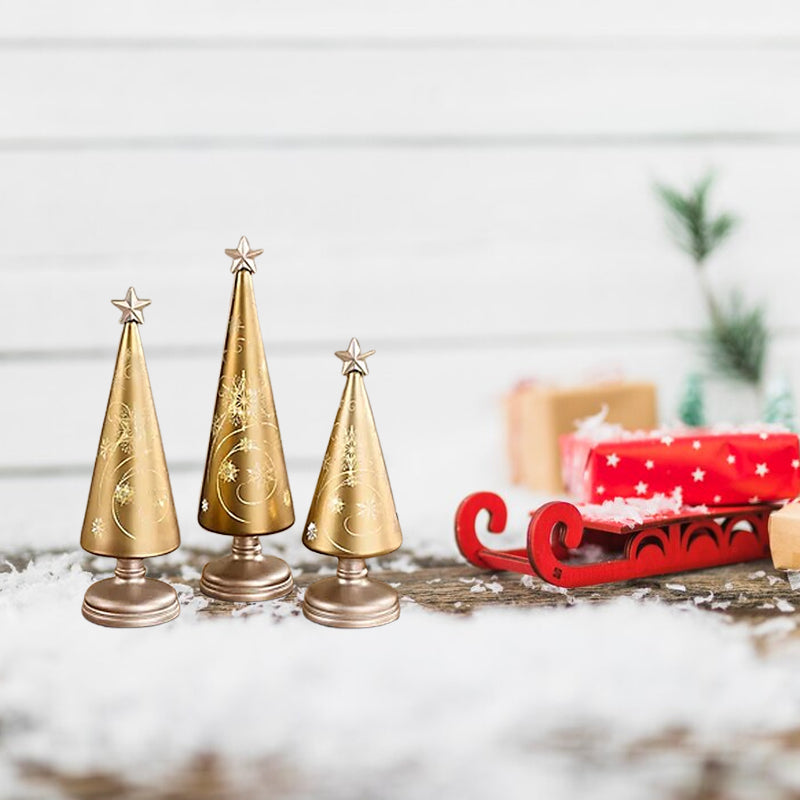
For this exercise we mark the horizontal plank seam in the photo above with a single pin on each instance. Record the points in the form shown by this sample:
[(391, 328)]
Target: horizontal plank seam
[(428, 344), (396, 141), (19, 472), (413, 42)]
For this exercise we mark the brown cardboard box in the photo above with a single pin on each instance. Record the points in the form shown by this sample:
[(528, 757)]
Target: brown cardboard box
[(537, 414), (784, 536)]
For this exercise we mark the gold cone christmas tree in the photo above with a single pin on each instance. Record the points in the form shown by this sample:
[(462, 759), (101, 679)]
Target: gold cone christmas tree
[(245, 491), (352, 514), (130, 514)]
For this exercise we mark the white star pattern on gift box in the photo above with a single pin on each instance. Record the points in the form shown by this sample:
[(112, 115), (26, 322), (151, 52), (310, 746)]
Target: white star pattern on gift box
[(722, 469), (763, 436)]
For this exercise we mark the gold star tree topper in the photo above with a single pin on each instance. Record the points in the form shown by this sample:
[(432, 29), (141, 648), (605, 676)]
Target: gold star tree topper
[(354, 360), (244, 257), (132, 307)]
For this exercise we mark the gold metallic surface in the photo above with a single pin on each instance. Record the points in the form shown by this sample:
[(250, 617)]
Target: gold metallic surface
[(245, 491), (132, 307), (245, 488), (350, 599), (130, 511), (352, 514), (244, 257), (352, 511), (246, 576), (354, 360), (129, 599)]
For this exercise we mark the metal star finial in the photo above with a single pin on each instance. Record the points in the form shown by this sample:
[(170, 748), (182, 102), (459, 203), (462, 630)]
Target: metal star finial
[(354, 360), (131, 307), (243, 256)]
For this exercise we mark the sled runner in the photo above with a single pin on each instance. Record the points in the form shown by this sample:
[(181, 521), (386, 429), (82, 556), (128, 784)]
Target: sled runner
[(560, 540)]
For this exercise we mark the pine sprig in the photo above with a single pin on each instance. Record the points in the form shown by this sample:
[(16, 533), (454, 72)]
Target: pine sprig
[(693, 228), (737, 339)]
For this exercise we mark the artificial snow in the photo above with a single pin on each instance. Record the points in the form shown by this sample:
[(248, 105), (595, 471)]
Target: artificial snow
[(635, 511), (490, 705)]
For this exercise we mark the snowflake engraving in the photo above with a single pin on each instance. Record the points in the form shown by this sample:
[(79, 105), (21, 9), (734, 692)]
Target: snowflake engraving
[(337, 505), (204, 505), (350, 457), (123, 493), (239, 400), (228, 471), (368, 509), (311, 532), (98, 527), (261, 474)]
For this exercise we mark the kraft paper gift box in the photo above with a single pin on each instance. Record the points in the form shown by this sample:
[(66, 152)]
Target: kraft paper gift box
[(538, 414)]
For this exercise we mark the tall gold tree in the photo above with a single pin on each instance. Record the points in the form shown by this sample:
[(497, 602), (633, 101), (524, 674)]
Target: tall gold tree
[(130, 514), (245, 492), (352, 514)]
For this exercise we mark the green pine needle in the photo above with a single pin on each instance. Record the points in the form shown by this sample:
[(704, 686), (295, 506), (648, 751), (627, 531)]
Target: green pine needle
[(694, 230), (737, 340)]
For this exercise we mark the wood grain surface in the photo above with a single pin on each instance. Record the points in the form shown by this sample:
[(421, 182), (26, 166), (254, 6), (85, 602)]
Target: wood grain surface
[(744, 593)]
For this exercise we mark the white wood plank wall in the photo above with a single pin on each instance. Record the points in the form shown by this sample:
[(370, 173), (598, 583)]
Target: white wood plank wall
[(465, 186)]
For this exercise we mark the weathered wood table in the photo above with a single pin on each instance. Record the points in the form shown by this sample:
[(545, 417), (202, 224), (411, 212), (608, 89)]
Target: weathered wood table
[(751, 594)]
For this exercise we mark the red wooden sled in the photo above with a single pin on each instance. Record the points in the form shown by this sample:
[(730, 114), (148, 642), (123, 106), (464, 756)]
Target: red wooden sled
[(557, 533)]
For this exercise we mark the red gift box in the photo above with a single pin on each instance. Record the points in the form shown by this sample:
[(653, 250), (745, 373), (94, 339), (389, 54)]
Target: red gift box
[(709, 467)]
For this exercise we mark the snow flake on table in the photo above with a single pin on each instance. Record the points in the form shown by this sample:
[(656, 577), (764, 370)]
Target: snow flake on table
[(762, 469), (698, 475), (612, 460)]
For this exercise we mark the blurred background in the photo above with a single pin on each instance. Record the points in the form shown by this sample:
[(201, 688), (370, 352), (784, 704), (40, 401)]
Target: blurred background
[(466, 187)]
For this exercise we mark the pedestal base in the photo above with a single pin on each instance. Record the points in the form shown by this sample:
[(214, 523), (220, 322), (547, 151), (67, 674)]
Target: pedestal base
[(129, 600), (246, 576), (350, 599)]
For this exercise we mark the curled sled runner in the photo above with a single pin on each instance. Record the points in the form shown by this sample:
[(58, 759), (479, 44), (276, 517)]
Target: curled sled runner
[(560, 539)]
